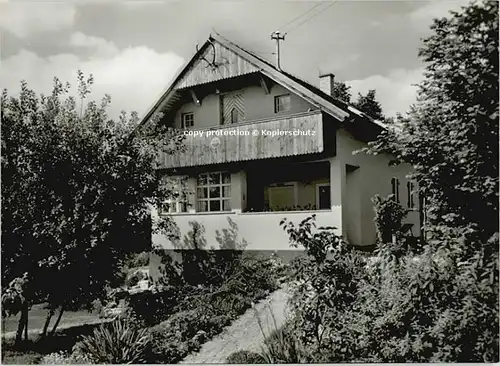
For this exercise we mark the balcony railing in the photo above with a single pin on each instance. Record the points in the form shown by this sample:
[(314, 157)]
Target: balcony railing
[(290, 135)]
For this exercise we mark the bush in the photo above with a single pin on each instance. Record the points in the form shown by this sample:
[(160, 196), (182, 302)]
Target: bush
[(438, 306), (204, 313), (64, 358), (245, 357), (115, 344), (389, 216), (185, 332), (151, 307)]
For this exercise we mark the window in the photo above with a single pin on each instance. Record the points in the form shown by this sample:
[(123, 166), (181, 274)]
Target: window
[(214, 192), (395, 188), (411, 194), (232, 108), (187, 120), (173, 206), (178, 202), (282, 103), (282, 196), (235, 116)]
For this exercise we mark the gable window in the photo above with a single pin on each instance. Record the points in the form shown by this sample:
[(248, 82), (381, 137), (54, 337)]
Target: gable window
[(213, 192), (232, 108), (282, 103), (411, 194), (235, 116), (187, 120), (395, 188)]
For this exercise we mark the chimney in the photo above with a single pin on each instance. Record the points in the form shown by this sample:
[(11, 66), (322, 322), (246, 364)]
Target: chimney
[(326, 82)]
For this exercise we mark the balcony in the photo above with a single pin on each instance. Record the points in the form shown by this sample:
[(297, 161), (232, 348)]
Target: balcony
[(282, 136)]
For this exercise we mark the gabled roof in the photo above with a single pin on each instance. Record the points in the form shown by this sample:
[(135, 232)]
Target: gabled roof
[(338, 109)]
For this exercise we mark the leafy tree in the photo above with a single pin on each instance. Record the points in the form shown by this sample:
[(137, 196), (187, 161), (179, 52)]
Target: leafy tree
[(342, 91), (369, 104), (451, 135), (77, 189), (440, 303), (451, 139)]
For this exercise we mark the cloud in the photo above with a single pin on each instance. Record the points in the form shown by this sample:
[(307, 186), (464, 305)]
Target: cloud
[(134, 77), (28, 18), (99, 46), (423, 16), (395, 92)]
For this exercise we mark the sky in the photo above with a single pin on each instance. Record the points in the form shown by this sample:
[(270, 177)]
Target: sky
[(134, 48)]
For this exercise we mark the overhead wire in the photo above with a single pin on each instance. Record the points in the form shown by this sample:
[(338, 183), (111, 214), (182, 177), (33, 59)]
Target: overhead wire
[(311, 17), (300, 15)]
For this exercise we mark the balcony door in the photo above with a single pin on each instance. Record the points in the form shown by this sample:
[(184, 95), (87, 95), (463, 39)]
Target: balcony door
[(323, 199), (232, 108)]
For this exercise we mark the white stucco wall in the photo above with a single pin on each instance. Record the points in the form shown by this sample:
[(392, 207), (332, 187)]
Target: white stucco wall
[(373, 177), (260, 230), (258, 105)]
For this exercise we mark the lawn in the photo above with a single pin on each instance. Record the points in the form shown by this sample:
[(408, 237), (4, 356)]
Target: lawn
[(37, 317), (32, 353)]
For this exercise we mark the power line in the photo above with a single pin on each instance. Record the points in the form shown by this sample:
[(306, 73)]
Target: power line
[(300, 15), (311, 17)]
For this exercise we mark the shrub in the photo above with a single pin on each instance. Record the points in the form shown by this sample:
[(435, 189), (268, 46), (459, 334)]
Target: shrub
[(63, 358), (184, 332), (150, 307), (115, 344), (245, 357), (389, 216)]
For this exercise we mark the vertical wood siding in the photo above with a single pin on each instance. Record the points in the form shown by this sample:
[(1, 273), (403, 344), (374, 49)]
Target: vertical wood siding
[(246, 145), (229, 65)]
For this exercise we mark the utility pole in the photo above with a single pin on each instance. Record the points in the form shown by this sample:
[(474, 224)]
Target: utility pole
[(278, 37)]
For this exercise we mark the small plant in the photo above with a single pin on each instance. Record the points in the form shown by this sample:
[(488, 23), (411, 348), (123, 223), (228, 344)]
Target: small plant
[(245, 357), (62, 358), (280, 346), (120, 343)]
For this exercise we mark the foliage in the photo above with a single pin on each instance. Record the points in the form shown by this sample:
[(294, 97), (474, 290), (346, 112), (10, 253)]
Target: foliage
[(369, 104), (245, 357), (451, 135), (342, 91), (204, 313), (77, 188), (138, 259), (440, 304), (389, 216), (326, 282), (153, 306), (280, 345), (63, 358), (118, 344)]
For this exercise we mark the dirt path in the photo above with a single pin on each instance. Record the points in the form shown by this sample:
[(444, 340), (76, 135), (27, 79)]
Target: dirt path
[(244, 333)]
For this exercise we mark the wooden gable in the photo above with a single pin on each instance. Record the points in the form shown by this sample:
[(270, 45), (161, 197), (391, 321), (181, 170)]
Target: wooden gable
[(215, 62)]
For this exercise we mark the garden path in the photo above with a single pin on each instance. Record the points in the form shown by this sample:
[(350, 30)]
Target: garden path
[(244, 333)]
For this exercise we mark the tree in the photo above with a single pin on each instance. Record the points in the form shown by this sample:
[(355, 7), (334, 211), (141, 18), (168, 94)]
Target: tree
[(451, 139), (77, 189), (342, 91), (437, 302), (451, 135), (368, 104)]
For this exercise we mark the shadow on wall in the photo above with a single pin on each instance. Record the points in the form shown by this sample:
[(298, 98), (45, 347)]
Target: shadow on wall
[(193, 262)]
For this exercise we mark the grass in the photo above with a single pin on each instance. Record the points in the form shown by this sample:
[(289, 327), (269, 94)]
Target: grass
[(37, 315), (33, 350)]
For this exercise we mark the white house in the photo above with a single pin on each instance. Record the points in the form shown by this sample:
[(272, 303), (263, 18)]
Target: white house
[(262, 145)]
